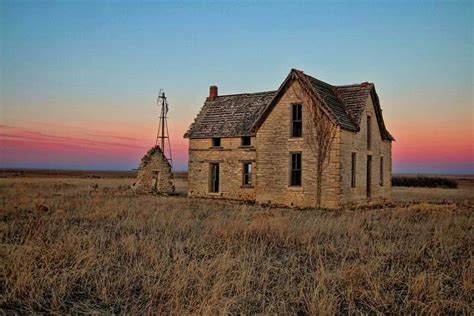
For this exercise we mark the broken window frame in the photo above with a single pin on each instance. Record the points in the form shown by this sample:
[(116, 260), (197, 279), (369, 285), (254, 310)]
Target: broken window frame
[(216, 142), (353, 169), (214, 177), (369, 132), (381, 171), (246, 141), (296, 120), (247, 174), (296, 169)]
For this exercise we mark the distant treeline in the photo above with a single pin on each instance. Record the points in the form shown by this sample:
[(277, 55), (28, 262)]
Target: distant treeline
[(423, 181)]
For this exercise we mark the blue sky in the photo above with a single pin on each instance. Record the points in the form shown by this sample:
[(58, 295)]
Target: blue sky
[(96, 66)]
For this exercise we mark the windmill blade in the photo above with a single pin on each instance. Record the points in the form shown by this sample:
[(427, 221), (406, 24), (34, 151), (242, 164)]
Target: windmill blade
[(161, 95), (162, 137)]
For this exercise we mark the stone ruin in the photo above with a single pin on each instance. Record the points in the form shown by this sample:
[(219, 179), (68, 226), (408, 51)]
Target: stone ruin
[(155, 174)]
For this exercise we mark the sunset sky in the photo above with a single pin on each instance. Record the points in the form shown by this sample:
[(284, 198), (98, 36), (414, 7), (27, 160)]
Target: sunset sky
[(79, 79)]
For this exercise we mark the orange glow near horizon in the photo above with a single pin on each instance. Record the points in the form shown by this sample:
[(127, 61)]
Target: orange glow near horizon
[(430, 145), (92, 150), (433, 146)]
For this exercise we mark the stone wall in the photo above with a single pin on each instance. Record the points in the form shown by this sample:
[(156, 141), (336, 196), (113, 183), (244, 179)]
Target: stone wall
[(270, 157), (154, 173), (274, 146), (230, 156), (357, 143)]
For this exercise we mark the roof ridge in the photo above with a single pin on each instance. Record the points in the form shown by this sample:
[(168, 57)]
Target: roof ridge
[(342, 85), (319, 80), (354, 84), (246, 93)]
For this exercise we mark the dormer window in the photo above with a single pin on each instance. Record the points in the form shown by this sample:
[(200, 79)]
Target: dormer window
[(246, 141), (216, 142)]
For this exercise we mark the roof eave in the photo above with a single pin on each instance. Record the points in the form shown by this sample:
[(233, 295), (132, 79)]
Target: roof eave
[(385, 134)]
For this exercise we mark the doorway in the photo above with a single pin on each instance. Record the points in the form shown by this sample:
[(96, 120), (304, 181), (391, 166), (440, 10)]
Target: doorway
[(214, 178), (154, 180)]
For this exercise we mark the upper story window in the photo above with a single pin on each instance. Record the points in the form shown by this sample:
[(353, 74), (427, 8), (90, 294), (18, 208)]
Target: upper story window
[(369, 133), (296, 120), (216, 142), (295, 169), (246, 141)]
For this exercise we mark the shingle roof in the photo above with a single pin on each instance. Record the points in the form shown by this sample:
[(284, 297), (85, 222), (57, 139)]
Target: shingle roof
[(354, 98), (229, 115), (240, 114), (329, 95)]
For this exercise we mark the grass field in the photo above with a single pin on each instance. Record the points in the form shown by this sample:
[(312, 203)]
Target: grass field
[(79, 243)]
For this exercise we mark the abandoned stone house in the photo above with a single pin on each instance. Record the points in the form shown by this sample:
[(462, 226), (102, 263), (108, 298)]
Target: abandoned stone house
[(255, 146), (154, 173)]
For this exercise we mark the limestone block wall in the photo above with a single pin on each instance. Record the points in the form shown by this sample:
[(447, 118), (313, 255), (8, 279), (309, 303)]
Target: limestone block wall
[(154, 173), (270, 156), (274, 146), (357, 143), (230, 157)]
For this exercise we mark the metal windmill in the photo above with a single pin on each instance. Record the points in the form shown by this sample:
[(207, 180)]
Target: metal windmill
[(162, 137)]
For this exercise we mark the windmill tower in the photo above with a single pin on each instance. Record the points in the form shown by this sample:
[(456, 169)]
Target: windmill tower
[(155, 172), (162, 137)]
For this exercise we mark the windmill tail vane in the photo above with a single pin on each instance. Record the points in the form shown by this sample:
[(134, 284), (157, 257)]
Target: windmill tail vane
[(162, 137)]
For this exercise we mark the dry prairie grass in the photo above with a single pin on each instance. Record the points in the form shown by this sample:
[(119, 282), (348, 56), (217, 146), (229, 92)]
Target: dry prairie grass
[(72, 246)]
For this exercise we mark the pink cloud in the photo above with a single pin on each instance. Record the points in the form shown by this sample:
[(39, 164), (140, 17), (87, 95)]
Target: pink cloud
[(25, 147)]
